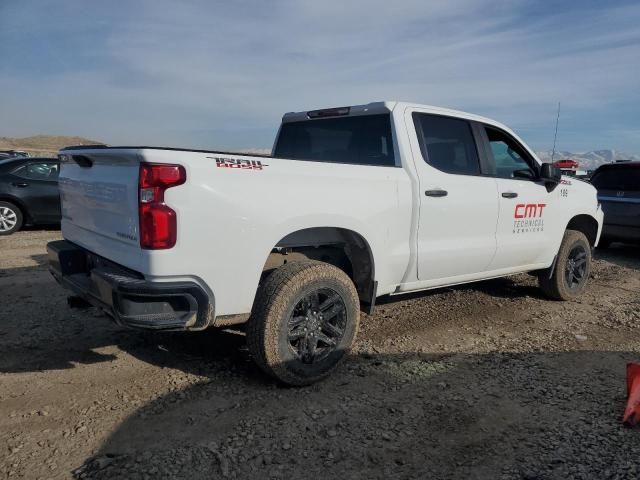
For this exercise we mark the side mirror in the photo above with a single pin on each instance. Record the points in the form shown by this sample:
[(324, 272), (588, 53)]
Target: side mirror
[(550, 175)]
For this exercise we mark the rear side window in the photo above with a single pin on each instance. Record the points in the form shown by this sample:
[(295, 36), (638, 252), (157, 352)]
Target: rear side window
[(627, 179), (39, 171), (447, 143), (361, 140)]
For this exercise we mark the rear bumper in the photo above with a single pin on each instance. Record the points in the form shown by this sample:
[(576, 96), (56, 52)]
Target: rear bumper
[(125, 295)]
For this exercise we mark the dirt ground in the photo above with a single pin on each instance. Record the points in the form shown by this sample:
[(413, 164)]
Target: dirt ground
[(487, 381)]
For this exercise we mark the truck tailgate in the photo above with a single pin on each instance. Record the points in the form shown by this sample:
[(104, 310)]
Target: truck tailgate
[(99, 195)]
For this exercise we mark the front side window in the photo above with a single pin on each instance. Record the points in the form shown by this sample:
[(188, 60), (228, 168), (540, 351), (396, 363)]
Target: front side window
[(39, 171), (509, 157), (447, 143)]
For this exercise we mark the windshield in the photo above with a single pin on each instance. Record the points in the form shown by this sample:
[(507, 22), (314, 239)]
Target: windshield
[(361, 140)]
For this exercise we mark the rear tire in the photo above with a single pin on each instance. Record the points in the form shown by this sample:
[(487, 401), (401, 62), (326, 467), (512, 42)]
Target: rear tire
[(304, 322), (571, 271), (11, 218)]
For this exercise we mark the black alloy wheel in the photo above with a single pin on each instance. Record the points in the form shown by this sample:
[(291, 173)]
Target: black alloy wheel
[(316, 325), (576, 267)]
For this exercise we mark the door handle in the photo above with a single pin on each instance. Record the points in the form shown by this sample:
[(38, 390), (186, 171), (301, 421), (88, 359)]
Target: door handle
[(20, 184), (509, 194), (436, 193)]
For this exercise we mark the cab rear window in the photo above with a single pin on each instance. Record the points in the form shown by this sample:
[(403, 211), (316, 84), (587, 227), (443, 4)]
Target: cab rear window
[(359, 140)]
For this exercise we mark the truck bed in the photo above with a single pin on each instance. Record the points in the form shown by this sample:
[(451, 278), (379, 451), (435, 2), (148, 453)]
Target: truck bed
[(232, 211)]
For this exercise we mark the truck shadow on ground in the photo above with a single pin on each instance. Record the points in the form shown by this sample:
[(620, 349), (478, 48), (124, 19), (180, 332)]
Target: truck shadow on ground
[(41, 332), (39, 322), (38, 331), (497, 415)]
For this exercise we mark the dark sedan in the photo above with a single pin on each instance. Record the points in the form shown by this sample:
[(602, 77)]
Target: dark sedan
[(28, 193), (618, 186)]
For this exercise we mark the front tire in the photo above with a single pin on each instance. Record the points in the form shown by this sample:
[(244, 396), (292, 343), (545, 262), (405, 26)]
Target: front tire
[(570, 274), (304, 322), (10, 218)]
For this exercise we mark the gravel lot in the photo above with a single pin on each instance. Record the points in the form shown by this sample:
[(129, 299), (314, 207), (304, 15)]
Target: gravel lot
[(483, 381)]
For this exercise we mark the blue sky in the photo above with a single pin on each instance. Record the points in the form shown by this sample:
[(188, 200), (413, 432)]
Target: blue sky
[(221, 74)]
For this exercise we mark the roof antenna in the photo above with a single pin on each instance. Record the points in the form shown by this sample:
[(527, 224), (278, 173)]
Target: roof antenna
[(555, 136)]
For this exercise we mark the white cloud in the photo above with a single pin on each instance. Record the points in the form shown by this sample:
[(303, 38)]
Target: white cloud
[(185, 72)]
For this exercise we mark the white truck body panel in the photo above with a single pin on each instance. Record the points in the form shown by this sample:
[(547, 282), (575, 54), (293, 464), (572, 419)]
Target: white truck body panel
[(230, 219)]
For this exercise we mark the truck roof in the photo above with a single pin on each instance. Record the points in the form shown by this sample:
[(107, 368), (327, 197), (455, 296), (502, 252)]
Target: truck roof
[(386, 107)]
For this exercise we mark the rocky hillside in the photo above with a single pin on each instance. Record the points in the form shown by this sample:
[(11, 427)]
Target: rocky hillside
[(43, 145)]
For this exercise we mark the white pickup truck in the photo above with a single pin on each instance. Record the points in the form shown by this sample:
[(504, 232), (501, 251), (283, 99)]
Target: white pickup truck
[(354, 203)]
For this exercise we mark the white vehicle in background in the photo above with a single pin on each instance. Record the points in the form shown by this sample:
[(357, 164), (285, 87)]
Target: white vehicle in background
[(354, 203)]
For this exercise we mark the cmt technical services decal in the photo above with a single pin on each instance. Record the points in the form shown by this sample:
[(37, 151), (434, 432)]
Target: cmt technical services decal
[(528, 218), (237, 163)]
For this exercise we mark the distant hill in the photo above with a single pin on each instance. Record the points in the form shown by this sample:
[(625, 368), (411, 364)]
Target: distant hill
[(589, 160), (43, 145)]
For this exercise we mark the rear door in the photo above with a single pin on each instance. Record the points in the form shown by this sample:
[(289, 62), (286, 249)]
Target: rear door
[(36, 183), (459, 206), (525, 203)]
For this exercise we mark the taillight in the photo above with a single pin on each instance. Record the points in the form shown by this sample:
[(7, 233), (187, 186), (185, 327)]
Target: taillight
[(158, 222)]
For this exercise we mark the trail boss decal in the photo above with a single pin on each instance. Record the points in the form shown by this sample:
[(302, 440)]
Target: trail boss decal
[(238, 163), (528, 217)]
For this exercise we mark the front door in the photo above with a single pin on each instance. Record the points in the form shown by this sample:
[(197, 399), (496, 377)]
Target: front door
[(458, 206), (525, 203)]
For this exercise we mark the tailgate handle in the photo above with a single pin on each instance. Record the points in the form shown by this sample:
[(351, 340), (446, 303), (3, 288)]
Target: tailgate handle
[(83, 161), (436, 193)]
